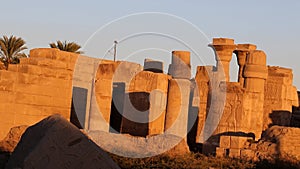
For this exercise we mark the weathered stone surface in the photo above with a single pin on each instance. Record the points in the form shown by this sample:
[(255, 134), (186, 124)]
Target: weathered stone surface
[(223, 41), (177, 107), (202, 81), (252, 114), (139, 147), (37, 87), (287, 140), (238, 142), (220, 152), (280, 96), (83, 91), (255, 72), (234, 153), (125, 72), (9, 143), (154, 66), (235, 142), (223, 48), (247, 154), (145, 104), (55, 143), (225, 142), (241, 53), (231, 119), (180, 68)]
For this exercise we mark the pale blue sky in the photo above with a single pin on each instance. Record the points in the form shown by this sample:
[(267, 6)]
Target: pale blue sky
[(272, 25)]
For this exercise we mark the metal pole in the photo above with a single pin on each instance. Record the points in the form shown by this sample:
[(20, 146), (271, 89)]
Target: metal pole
[(115, 50)]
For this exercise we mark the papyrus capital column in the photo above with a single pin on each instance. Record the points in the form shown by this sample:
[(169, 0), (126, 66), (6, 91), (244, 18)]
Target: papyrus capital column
[(241, 53), (223, 48)]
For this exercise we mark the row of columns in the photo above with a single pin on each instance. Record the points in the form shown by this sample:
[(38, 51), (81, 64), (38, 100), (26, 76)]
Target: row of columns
[(252, 75), (224, 48)]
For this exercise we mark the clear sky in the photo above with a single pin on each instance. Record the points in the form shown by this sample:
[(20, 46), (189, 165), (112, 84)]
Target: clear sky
[(272, 25)]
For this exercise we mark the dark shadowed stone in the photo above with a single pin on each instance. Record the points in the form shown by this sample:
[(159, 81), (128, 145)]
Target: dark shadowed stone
[(56, 143)]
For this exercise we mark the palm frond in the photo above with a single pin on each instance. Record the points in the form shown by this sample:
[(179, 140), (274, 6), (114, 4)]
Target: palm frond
[(11, 47), (66, 46)]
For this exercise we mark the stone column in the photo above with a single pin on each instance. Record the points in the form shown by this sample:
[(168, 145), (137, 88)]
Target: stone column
[(255, 73), (223, 48), (241, 53), (177, 108), (180, 68), (202, 80), (176, 121), (153, 66)]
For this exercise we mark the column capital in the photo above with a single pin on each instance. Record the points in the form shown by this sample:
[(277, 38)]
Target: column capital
[(245, 47), (223, 44), (241, 52), (223, 48)]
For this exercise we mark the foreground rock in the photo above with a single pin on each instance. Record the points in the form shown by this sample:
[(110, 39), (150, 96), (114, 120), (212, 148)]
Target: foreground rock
[(56, 143), (9, 143)]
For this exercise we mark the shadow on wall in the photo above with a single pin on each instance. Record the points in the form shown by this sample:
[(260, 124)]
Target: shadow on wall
[(78, 109), (117, 105), (74, 118), (140, 110), (280, 118), (118, 124), (295, 119), (193, 125)]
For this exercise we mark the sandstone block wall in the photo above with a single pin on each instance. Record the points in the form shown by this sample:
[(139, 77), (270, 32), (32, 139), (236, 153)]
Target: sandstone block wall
[(231, 146), (105, 82), (288, 142), (232, 119), (251, 104), (104, 90), (145, 104), (280, 97), (37, 87)]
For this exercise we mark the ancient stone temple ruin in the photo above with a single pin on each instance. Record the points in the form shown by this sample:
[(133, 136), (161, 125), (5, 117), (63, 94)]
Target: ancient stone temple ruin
[(127, 98), (262, 97)]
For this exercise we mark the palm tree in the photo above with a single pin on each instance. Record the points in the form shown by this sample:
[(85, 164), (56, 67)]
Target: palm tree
[(10, 49), (66, 46)]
